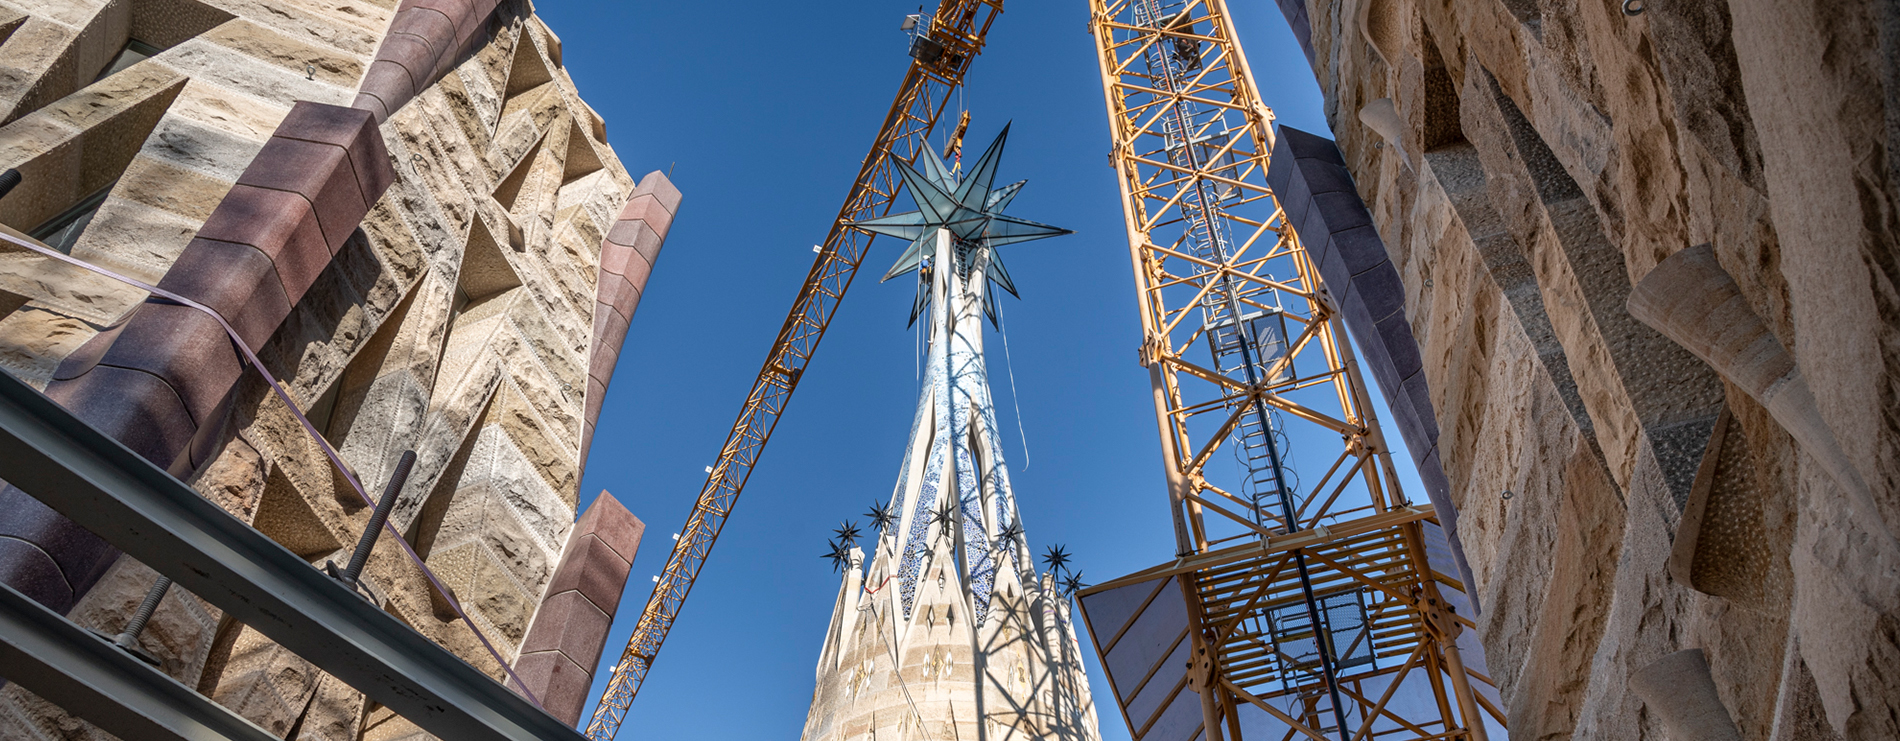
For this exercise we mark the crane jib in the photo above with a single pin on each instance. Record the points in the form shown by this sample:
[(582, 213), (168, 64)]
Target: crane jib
[(958, 28)]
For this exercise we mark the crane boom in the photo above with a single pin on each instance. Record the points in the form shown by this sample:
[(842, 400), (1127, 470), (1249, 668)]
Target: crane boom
[(942, 49)]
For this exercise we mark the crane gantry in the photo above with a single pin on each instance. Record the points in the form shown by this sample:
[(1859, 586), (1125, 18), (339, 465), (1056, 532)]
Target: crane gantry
[(1304, 599), (943, 47)]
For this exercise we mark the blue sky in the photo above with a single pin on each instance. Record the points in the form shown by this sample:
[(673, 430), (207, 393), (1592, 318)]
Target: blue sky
[(763, 112)]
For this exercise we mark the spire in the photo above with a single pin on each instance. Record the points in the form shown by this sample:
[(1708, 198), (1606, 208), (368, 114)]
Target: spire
[(952, 585)]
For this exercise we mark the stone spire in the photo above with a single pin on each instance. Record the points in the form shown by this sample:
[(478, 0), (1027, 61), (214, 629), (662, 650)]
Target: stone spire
[(951, 634)]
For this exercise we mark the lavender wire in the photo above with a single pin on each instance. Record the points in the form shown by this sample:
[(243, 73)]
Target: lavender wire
[(328, 451)]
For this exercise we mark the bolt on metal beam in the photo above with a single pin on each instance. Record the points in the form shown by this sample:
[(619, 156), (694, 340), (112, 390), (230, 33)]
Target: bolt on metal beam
[(91, 678)]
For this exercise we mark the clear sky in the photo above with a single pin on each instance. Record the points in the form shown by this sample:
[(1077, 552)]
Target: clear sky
[(763, 111)]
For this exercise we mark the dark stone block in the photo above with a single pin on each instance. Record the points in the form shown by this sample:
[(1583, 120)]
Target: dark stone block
[(412, 54), (1437, 486), (1374, 355), (90, 351), (596, 396), (1281, 167), (77, 557), (638, 270), (1395, 334), (613, 524), (645, 207), (1362, 248), (322, 174), (570, 624), (134, 407), (235, 280), (1296, 201), (594, 570), (1405, 419), (560, 684), (613, 257), (1296, 18), (1311, 146), (389, 82), (368, 102), (1419, 393), (658, 185), (279, 224), (1331, 264), (1381, 291), (1342, 211), (601, 365), (1312, 218), (462, 13), (324, 124), (31, 571), (433, 28), (187, 349), (1326, 177)]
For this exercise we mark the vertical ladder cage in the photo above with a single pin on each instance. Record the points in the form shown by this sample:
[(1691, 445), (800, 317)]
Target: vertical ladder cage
[(1314, 596)]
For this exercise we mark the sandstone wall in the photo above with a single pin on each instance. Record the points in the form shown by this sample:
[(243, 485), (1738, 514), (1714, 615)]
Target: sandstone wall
[(1018, 676), (1528, 163), (458, 320)]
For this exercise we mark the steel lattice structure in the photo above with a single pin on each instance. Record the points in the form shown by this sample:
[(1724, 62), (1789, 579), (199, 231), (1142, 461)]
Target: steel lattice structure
[(1247, 352), (944, 47)]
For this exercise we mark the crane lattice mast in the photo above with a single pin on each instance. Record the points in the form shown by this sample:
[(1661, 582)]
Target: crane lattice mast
[(1308, 601), (942, 48)]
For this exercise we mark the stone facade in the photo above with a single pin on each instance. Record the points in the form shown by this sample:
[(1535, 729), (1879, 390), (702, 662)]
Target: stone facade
[(1648, 254), (410, 215)]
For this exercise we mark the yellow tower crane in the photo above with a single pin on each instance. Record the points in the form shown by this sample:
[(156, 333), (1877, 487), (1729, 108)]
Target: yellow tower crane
[(943, 45), (1310, 604)]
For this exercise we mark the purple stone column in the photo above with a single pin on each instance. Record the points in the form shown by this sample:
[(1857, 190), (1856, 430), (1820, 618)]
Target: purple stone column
[(165, 390), (570, 629), (626, 259)]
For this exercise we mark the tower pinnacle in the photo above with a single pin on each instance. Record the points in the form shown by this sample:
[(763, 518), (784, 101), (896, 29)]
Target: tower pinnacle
[(952, 633)]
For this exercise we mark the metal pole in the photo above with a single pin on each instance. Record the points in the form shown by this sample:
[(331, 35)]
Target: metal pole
[(377, 518)]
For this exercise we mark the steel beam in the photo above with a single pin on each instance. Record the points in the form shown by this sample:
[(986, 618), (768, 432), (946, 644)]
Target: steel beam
[(93, 680), (155, 518)]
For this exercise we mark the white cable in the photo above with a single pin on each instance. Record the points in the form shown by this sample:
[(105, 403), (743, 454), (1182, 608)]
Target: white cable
[(897, 670), (1002, 328)]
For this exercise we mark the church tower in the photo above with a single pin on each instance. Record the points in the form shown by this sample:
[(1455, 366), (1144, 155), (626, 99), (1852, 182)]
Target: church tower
[(951, 633)]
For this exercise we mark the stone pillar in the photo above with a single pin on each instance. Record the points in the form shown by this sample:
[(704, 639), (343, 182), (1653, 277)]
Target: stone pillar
[(160, 382), (164, 392), (627, 257), (426, 39), (569, 631), (1309, 177)]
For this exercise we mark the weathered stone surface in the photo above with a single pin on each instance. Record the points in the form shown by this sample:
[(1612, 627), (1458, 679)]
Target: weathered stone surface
[(1550, 157), (377, 337)]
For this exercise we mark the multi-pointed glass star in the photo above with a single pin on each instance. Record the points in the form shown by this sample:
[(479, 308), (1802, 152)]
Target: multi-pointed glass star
[(968, 206)]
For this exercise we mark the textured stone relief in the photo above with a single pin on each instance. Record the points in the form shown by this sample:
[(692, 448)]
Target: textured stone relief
[(456, 318)]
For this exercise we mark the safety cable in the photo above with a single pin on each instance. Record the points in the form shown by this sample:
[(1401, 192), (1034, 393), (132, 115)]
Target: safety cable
[(328, 451), (1002, 328), (897, 668)]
